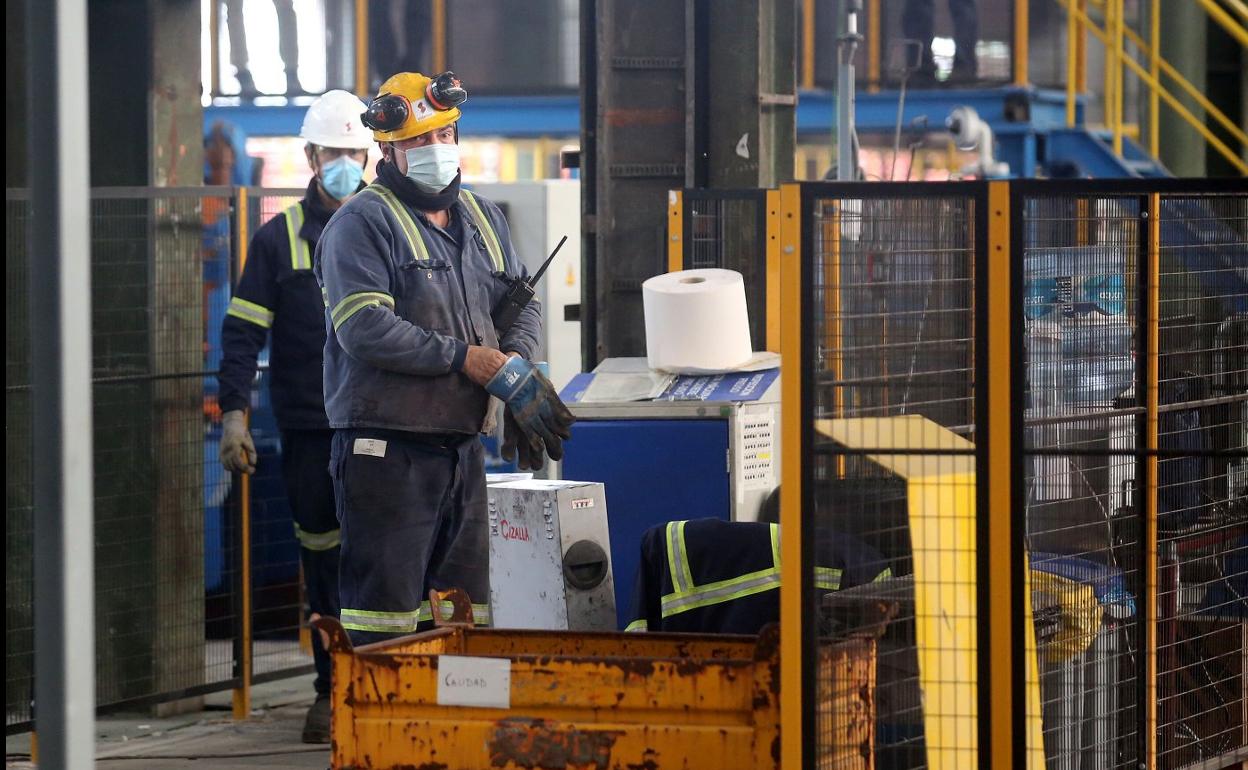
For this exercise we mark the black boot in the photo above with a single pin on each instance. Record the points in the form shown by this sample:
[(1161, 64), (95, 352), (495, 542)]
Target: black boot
[(316, 723), (293, 86), (246, 86)]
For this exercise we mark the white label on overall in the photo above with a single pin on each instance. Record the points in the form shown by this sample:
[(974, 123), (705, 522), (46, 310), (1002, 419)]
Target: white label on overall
[(466, 681), (370, 446)]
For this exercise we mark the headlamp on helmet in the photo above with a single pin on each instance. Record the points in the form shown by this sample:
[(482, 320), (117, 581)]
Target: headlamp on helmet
[(394, 115)]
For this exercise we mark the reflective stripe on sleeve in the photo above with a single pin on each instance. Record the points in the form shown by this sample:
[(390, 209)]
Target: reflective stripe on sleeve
[(354, 303), (300, 254), (250, 312)]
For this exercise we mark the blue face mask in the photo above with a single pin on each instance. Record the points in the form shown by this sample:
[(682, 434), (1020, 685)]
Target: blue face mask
[(433, 166), (341, 176)]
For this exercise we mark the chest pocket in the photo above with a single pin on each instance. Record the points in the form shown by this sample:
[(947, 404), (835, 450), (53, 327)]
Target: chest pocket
[(428, 295), (431, 270)]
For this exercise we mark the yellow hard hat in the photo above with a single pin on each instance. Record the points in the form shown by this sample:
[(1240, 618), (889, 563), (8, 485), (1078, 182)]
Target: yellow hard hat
[(409, 104)]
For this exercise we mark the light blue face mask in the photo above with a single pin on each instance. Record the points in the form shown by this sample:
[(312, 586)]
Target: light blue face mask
[(341, 176), (433, 166)]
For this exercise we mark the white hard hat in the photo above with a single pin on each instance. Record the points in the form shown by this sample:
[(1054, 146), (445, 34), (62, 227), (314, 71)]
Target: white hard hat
[(333, 120)]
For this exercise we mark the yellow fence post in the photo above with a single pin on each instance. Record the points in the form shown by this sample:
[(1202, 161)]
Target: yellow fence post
[(242, 693), (1002, 649), (791, 674), (772, 201), (675, 230), (361, 49), (1152, 373)]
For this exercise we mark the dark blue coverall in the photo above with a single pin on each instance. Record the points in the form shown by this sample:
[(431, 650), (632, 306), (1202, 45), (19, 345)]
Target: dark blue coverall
[(278, 299), (716, 576), (404, 300)]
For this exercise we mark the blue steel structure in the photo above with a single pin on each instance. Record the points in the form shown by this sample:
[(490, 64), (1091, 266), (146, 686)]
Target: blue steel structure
[(1029, 124)]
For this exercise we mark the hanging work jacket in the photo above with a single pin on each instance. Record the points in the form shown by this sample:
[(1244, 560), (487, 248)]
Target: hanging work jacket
[(715, 576), (403, 301), (277, 295)]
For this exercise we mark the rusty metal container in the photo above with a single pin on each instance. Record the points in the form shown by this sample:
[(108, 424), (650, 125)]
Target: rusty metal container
[(575, 699)]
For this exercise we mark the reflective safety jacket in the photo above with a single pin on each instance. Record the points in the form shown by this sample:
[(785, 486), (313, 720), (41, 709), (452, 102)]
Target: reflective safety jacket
[(403, 301), (715, 576), (277, 294)]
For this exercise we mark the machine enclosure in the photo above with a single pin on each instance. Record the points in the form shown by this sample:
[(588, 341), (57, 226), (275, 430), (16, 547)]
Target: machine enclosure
[(550, 565)]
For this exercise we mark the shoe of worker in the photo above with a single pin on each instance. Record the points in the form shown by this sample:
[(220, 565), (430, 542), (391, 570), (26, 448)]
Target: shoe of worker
[(316, 723), (246, 85)]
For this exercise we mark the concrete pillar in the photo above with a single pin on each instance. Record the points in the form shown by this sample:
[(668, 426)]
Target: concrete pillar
[(176, 152), (1182, 147)]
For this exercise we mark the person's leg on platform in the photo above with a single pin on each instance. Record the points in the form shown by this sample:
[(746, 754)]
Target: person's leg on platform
[(310, 490)]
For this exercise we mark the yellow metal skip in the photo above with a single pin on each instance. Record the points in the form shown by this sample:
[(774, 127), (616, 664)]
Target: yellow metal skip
[(576, 700)]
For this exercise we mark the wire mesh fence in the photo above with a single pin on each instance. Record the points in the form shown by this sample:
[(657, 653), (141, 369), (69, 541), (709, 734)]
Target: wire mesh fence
[(167, 517), (889, 486), (1202, 497), (282, 642), (1081, 258), (728, 229), (1128, 425)]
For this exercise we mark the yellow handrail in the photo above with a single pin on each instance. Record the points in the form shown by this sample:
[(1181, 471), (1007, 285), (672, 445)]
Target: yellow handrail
[(1238, 7), (1191, 90), (1225, 21), (1072, 66), (1022, 44), (1112, 37), (1154, 64)]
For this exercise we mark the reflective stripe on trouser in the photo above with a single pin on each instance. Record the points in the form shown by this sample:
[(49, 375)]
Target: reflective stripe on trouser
[(310, 490), (687, 595), (406, 622), (412, 520)]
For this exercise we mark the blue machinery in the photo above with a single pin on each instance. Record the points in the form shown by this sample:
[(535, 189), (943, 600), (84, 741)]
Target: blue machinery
[(1029, 124)]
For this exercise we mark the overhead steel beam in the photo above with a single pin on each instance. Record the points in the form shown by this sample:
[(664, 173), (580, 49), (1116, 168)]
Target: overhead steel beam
[(60, 322)]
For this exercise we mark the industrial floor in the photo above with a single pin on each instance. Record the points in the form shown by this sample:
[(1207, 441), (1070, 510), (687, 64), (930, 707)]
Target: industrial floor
[(207, 738)]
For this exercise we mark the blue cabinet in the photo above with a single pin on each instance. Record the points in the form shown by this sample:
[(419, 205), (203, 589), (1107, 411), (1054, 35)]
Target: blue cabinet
[(655, 471)]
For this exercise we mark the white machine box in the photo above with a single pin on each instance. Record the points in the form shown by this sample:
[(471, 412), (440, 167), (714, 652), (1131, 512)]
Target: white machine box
[(550, 556)]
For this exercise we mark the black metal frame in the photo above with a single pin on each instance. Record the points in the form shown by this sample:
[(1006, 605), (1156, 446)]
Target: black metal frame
[(810, 194)]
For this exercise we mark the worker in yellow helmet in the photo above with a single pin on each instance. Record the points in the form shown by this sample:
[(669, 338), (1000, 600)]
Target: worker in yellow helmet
[(413, 269)]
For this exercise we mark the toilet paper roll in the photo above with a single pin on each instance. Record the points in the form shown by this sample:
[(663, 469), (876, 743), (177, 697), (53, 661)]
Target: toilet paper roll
[(696, 321)]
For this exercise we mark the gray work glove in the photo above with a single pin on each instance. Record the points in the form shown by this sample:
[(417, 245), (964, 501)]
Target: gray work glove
[(533, 403), (238, 451), (519, 446)]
